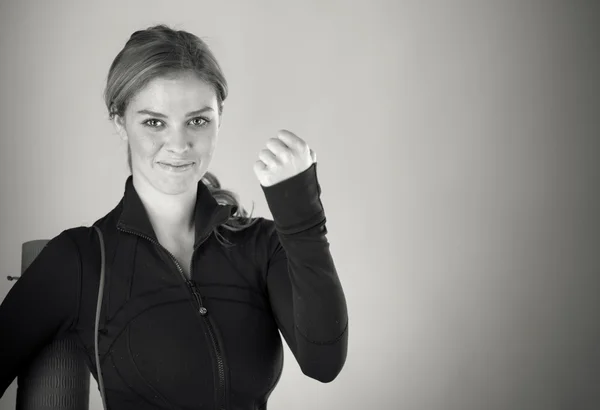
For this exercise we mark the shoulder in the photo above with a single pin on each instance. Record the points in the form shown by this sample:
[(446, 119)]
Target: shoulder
[(87, 240), (81, 238), (79, 234), (62, 253), (60, 247), (79, 249), (55, 268), (256, 241), (259, 232)]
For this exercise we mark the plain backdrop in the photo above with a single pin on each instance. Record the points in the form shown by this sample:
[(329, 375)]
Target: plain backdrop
[(457, 144)]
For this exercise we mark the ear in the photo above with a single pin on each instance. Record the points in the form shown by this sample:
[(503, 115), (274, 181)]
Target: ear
[(119, 123)]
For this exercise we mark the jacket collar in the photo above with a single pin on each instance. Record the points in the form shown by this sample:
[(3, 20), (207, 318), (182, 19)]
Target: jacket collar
[(208, 213)]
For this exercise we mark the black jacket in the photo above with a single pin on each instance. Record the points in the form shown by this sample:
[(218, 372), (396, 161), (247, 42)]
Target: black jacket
[(169, 343)]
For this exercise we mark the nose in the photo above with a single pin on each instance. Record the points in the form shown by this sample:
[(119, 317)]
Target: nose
[(178, 142)]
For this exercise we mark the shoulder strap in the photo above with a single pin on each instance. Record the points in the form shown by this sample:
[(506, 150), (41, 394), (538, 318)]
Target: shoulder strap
[(96, 326)]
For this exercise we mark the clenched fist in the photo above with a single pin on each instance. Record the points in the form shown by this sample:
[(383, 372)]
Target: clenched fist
[(285, 156)]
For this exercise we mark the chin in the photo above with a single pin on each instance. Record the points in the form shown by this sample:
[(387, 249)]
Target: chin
[(176, 187), (177, 184)]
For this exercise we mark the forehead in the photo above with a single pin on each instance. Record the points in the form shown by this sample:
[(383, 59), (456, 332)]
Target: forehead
[(175, 92)]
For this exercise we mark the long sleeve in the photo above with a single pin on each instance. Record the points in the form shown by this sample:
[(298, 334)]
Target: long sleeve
[(40, 306), (304, 289)]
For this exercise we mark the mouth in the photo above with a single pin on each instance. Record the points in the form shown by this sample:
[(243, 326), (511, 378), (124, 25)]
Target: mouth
[(177, 166)]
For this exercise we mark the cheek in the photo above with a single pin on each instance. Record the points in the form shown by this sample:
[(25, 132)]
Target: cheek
[(212, 142), (204, 142), (213, 138), (144, 145)]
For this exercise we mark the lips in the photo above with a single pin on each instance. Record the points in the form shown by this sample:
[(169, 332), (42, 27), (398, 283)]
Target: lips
[(176, 167), (177, 163)]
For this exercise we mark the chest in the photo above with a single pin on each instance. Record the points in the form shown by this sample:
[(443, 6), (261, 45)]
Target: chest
[(183, 255), (182, 249), (156, 344)]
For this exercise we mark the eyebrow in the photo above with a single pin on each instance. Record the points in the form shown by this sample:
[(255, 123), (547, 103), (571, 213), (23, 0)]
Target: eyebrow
[(189, 114)]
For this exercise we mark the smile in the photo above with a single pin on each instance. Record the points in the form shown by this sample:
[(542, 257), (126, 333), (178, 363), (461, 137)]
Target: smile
[(176, 167)]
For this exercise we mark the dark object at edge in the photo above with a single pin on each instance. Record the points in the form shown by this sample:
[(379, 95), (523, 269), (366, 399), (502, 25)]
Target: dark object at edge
[(57, 378)]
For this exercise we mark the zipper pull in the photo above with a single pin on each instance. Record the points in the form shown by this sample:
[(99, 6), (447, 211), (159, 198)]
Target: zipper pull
[(203, 311)]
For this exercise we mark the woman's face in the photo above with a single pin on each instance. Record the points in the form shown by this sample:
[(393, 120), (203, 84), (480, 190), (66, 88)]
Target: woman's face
[(171, 127)]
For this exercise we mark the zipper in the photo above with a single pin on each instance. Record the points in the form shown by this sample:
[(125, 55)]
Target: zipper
[(219, 356), (201, 310)]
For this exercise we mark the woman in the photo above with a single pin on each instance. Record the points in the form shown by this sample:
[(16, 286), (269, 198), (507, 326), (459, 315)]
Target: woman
[(196, 291)]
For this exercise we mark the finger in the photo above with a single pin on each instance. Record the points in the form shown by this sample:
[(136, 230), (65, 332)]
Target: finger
[(291, 139), (267, 157), (259, 165), (278, 148)]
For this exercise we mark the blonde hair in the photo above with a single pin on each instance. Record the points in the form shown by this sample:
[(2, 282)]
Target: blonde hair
[(161, 51)]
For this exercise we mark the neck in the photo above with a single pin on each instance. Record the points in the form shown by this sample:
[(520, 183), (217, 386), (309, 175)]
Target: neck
[(170, 215)]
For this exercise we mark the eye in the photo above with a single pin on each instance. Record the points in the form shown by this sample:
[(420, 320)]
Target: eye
[(200, 122), (153, 123)]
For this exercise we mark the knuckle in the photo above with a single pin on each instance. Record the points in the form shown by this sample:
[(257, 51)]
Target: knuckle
[(286, 154)]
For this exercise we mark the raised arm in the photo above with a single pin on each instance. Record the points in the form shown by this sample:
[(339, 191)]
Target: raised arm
[(40, 306), (303, 286)]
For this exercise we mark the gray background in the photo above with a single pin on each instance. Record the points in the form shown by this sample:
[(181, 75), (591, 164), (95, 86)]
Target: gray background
[(456, 144)]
